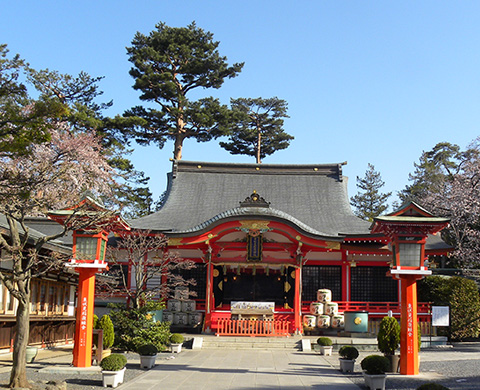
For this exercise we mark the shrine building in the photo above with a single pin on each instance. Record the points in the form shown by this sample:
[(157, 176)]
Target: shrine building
[(277, 234)]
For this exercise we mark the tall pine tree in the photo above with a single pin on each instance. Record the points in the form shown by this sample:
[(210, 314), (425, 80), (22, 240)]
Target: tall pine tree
[(370, 202), (168, 65), (257, 127)]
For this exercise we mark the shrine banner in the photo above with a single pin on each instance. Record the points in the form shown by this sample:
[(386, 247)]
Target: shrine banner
[(254, 247)]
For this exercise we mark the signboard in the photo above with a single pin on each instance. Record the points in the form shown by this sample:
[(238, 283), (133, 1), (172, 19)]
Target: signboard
[(440, 316), (239, 305)]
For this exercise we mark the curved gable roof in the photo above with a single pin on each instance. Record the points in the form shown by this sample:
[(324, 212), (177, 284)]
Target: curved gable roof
[(313, 197)]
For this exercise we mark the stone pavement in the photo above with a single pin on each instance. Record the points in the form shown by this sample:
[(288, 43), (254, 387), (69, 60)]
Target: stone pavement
[(457, 366), (243, 369)]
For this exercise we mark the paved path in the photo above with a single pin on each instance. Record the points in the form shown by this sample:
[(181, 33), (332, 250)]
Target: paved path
[(243, 369)]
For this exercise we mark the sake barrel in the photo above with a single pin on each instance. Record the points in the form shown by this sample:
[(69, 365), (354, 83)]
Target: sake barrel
[(324, 295), (309, 321), (195, 318), (338, 321), (316, 308), (180, 319), (174, 305), (188, 306), (323, 321), (331, 309), (167, 316)]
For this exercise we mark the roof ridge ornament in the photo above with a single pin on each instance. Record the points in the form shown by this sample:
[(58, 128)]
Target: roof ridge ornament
[(254, 200)]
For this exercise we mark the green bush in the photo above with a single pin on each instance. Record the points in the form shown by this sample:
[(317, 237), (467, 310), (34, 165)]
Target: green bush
[(114, 362), (324, 341), (348, 352), (176, 338), (106, 325), (432, 386), (388, 336), (462, 295), (135, 327), (147, 350), (95, 321), (375, 364)]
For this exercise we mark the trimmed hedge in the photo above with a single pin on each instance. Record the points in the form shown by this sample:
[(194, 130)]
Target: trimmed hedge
[(147, 350), (324, 341), (375, 364), (176, 338), (348, 352), (114, 362)]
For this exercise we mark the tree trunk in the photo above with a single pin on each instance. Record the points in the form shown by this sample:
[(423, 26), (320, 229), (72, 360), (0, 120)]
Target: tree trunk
[(18, 376), (259, 146)]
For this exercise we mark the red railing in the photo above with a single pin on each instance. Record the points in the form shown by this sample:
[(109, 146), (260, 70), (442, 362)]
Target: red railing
[(374, 308), (252, 328)]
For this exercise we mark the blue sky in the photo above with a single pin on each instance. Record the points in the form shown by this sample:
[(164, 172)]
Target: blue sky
[(366, 81)]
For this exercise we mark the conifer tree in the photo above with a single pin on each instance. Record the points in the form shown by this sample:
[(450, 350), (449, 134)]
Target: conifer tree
[(370, 202), (168, 64), (257, 127)]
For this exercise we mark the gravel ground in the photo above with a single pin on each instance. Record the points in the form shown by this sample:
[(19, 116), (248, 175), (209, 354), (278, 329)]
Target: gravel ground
[(454, 369), (85, 381)]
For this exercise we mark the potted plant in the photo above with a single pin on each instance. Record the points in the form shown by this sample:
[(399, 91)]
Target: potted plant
[(148, 354), (106, 324), (348, 354), (374, 368), (325, 344), (113, 369), (176, 341), (388, 341)]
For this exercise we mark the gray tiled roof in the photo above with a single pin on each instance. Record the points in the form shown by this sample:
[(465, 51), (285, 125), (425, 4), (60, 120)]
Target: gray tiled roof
[(312, 197), (36, 231)]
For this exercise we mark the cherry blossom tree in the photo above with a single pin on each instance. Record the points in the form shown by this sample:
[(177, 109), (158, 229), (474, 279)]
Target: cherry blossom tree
[(52, 176), (154, 271), (458, 198)]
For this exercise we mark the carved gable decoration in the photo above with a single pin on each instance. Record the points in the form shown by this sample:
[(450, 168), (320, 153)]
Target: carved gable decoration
[(254, 200)]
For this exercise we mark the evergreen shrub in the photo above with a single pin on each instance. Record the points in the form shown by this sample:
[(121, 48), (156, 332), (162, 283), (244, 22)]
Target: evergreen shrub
[(135, 327), (388, 337), (461, 295), (324, 341), (147, 350), (114, 362), (176, 338), (348, 352), (106, 325), (375, 365)]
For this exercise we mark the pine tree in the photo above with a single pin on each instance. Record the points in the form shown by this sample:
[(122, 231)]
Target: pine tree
[(168, 64), (370, 203), (256, 127), (434, 168)]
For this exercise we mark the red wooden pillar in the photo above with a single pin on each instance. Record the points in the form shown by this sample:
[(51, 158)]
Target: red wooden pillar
[(345, 277), (82, 354), (409, 330), (297, 303), (209, 299)]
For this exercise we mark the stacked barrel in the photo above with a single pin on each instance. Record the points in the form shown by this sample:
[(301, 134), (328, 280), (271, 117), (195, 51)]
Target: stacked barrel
[(182, 312), (323, 312)]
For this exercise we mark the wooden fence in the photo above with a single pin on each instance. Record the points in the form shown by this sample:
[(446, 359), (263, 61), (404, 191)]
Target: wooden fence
[(252, 328)]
